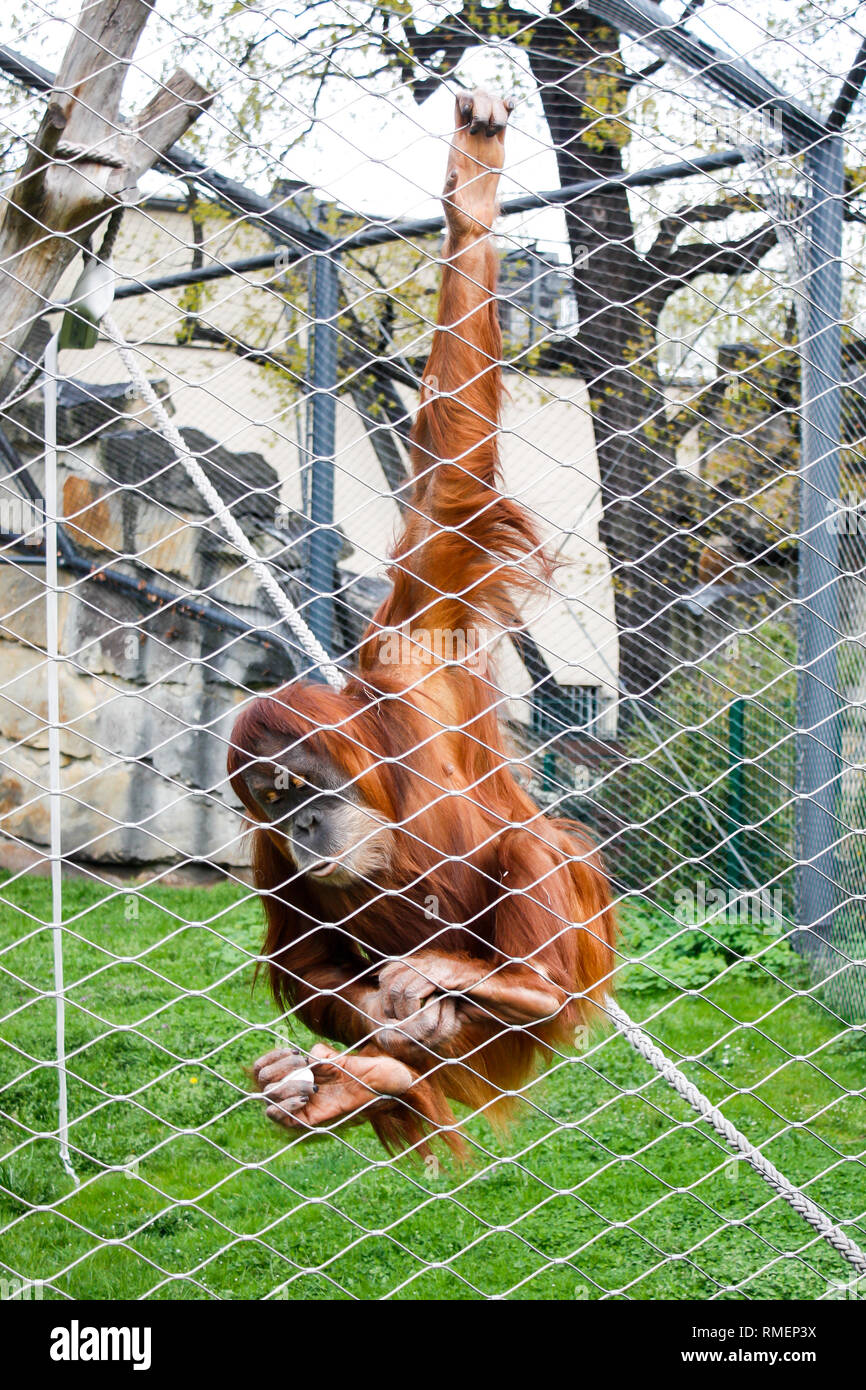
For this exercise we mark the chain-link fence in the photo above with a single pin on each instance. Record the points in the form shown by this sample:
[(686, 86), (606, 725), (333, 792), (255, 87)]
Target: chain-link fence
[(200, 485)]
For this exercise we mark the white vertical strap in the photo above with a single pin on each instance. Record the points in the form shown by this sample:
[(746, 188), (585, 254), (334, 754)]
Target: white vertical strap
[(52, 650)]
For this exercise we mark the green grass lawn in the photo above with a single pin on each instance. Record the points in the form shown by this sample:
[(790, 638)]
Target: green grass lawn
[(188, 1192)]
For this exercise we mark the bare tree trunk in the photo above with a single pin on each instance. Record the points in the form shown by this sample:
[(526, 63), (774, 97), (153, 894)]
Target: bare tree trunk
[(618, 309), (83, 161)]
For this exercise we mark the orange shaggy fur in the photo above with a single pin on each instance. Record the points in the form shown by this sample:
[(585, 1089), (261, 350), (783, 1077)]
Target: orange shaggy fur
[(509, 881)]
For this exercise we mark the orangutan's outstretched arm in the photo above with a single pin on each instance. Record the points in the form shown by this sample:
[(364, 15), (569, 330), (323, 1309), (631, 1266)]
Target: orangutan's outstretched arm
[(458, 557), (459, 413)]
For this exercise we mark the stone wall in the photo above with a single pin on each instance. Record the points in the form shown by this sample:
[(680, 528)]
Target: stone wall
[(148, 691)]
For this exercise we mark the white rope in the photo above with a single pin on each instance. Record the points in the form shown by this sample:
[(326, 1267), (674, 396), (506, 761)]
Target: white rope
[(221, 513), (52, 652), (803, 1205), (640, 1040)]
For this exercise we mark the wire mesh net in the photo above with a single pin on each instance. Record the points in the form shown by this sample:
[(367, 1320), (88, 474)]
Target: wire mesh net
[(680, 290)]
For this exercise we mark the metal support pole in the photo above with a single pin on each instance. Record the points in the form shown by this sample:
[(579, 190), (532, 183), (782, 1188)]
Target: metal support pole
[(818, 697), (323, 538), (736, 789)]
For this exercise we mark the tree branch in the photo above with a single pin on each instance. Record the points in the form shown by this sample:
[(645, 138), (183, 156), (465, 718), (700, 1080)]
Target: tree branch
[(694, 411), (164, 120), (451, 39), (83, 161), (671, 227), (696, 258)]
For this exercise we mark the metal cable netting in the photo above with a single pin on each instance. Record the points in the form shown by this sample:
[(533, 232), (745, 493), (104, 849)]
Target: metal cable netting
[(222, 278)]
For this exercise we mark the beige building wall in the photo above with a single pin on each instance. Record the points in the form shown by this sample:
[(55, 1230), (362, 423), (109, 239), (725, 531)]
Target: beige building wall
[(548, 447)]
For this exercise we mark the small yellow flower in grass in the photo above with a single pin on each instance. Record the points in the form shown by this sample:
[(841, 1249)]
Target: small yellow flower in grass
[(193, 1081)]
